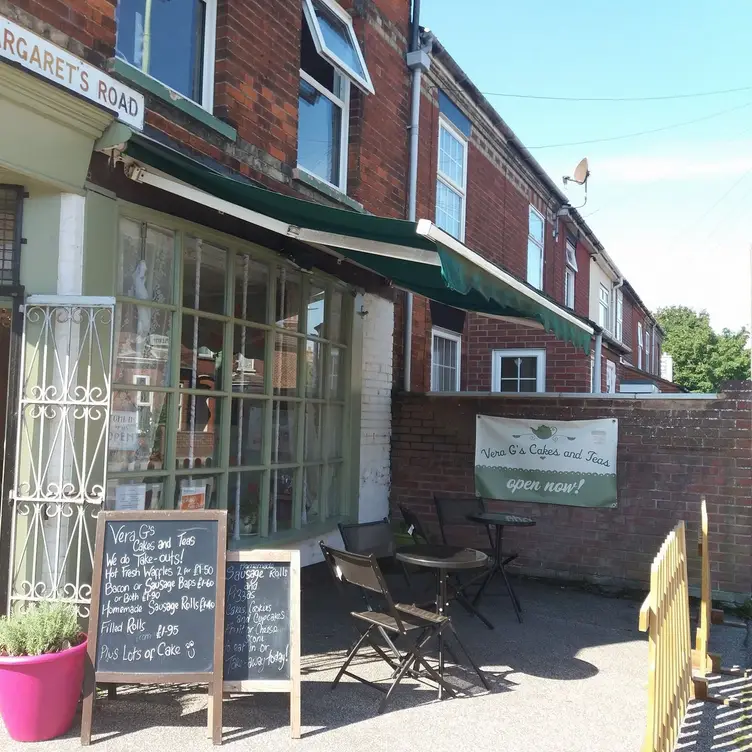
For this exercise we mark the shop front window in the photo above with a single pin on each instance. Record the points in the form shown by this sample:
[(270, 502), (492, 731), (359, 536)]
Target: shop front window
[(229, 383)]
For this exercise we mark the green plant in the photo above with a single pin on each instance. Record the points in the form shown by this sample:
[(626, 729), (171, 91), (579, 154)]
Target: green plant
[(38, 629)]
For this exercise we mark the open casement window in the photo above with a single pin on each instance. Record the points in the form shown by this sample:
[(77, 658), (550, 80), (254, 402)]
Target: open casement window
[(536, 232), (172, 42), (334, 37), (451, 180), (518, 370), (445, 361)]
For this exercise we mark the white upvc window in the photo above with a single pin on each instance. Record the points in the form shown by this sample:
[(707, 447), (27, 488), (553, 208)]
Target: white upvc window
[(640, 346), (451, 180), (604, 307), (446, 352), (570, 272), (172, 42), (518, 370), (330, 60), (333, 34), (619, 328), (647, 349), (611, 377), (535, 242)]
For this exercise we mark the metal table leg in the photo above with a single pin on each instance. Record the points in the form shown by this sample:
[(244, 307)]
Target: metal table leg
[(498, 568)]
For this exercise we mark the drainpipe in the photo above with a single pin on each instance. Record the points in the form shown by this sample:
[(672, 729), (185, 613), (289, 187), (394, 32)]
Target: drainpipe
[(597, 363), (418, 63)]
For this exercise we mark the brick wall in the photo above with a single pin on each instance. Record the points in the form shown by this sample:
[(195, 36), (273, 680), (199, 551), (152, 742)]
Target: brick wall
[(671, 452)]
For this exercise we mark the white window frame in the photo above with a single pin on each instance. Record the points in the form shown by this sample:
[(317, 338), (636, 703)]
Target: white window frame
[(571, 252), (363, 82), (610, 377), (142, 379), (454, 337), (207, 73), (461, 190), (647, 349), (344, 104), (540, 372), (640, 345), (539, 243), (619, 316), (604, 307), (569, 283)]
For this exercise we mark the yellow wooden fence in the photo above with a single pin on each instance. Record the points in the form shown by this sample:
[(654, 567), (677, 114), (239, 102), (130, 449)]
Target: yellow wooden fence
[(665, 617)]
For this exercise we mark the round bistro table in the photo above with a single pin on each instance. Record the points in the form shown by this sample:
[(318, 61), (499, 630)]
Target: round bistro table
[(445, 559), (500, 520)]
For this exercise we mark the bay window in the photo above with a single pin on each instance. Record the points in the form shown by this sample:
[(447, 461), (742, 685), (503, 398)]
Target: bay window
[(230, 381), (172, 42)]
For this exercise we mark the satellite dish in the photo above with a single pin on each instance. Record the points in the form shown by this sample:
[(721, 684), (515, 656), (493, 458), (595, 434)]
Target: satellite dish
[(581, 173)]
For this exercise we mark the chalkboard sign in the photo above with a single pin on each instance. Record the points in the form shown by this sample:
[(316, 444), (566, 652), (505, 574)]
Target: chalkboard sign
[(262, 625), (158, 601)]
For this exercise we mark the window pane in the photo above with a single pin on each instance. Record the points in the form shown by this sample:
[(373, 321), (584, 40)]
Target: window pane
[(528, 385), (315, 319), (201, 353), (285, 372), (337, 37), (333, 499), (288, 300), (251, 289), (177, 45), (448, 209), (337, 324), (312, 496), (314, 355), (528, 368), (198, 431), (509, 385), (134, 494), (146, 265), (312, 63), (249, 351), (334, 432), (281, 491), (137, 433), (129, 19), (196, 492), (534, 264), (535, 227), (246, 432), (336, 374), (509, 368), (142, 344), (204, 268), (451, 157), (243, 496), (284, 431), (313, 432), (319, 134)]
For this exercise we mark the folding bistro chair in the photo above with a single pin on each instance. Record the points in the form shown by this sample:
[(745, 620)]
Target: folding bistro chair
[(415, 527), (400, 620)]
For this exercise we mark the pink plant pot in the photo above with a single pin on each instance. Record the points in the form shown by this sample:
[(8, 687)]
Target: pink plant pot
[(39, 693)]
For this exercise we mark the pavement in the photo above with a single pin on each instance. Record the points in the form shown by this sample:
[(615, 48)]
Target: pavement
[(571, 678)]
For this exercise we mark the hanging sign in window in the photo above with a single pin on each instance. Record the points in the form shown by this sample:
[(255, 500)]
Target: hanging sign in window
[(40, 56)]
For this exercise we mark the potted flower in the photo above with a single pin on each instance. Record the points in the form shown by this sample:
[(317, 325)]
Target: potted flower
[(42, 652)]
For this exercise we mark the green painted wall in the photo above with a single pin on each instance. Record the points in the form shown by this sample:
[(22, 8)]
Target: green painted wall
[(100, 244), (41, 228)]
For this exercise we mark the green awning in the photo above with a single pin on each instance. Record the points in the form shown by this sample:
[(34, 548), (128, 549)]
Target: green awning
[(414, 255)]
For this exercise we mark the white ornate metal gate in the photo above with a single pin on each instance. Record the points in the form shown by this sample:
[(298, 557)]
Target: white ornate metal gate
[(61, 449)]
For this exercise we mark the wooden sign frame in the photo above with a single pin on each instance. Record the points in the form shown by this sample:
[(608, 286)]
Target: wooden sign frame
[(212, 678), (291, 685)]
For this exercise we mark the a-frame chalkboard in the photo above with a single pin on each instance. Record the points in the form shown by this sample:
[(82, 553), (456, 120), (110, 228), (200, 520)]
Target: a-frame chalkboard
[(262, 625), (157, 605)]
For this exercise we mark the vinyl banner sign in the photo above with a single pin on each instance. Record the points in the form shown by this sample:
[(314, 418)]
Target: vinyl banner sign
[(552, 462)]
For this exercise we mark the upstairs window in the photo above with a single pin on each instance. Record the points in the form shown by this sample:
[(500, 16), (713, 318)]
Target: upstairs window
[(604, 308), (330, 60), (535, 233), (619, 316), (172, 42), (647, 350), (570, 273), (640, 346), (451, 180)]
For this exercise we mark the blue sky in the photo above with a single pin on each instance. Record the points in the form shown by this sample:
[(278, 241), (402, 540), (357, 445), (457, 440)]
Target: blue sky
[(672, 208)]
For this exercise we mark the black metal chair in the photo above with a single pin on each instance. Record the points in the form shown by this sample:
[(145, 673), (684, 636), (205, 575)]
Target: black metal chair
[(415, 527), (452, 513), (398, 619)]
